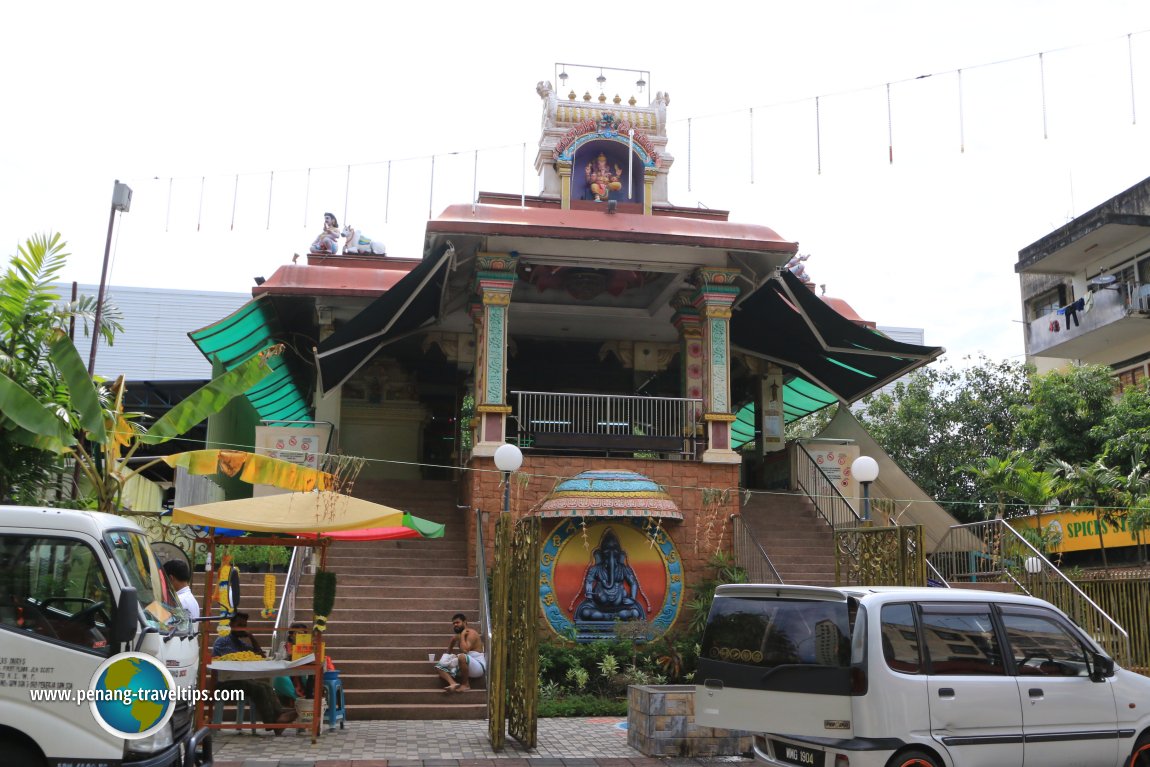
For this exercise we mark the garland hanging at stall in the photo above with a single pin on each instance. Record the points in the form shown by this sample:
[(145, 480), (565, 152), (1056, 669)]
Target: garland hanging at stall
[(323, 598), (224, 595), (269, 610)]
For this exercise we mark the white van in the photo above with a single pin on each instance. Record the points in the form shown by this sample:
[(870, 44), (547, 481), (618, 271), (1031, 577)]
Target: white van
[(924, 677), (76, 589)]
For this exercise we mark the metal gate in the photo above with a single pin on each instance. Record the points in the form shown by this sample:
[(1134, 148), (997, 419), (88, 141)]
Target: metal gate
[(880, 556), (513, 676)]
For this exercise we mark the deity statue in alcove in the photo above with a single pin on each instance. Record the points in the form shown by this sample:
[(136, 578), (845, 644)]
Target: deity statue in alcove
[(603, 177)]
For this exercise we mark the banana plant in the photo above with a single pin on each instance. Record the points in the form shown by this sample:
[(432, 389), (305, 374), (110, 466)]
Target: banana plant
[(92, 428)]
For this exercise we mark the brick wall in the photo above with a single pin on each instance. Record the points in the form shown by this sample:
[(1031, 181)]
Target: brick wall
[(696, 537)]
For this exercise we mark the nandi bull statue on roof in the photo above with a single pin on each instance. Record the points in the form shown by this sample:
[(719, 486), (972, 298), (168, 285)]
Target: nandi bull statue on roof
[(358, 242)]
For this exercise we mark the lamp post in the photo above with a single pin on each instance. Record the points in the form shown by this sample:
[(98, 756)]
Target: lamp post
[(865, 470), (121, 201), (508, 458)]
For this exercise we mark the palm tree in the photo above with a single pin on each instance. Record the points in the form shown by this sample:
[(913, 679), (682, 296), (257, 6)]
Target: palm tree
[(997, 475), (1097, 485), (1134, 495), (1036, 488)]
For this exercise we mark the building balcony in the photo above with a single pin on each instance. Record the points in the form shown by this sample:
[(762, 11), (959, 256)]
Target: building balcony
[(1118, 321), (607, 424)]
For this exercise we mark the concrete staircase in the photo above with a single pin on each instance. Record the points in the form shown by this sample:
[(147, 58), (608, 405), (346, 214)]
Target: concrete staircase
[(798, 541), (394, 602)]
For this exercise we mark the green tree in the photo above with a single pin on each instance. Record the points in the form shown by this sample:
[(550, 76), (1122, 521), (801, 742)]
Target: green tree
[(1095, 486), (940, 418), (996, 475), (1066, 406), (1125, 431), (31, 312), (1134, 496), (87, 422)]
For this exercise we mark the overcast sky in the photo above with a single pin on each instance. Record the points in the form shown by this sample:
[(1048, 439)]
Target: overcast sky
[(214, 113)]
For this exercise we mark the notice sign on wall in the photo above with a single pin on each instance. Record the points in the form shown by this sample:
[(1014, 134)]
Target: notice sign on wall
[(834, 460), (303, 445)]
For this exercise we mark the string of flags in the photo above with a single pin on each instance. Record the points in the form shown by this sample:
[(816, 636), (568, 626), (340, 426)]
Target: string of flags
[(692, 142)]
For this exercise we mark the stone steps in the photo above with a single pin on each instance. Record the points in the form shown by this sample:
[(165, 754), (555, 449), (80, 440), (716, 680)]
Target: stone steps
[(394, 602), (799, 543)]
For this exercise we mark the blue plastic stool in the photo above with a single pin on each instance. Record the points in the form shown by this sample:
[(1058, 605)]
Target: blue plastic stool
[(336, 710)]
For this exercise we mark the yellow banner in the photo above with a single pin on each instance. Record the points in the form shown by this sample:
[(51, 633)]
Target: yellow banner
[(1079, 529)]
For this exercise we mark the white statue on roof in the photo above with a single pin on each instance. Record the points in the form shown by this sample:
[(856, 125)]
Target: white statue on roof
[(550, 102), (795, 266), (662, 100), (357, 242), (328, 240)]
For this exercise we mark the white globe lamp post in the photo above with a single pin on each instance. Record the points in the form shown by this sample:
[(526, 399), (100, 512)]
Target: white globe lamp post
[(865, 470), (508, 458)]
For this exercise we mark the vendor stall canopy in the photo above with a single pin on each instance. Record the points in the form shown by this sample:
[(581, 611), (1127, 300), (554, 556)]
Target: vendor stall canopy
[(322, 513)]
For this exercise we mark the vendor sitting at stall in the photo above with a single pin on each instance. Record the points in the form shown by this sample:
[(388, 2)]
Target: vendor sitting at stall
[(291, 687), (258, 692)]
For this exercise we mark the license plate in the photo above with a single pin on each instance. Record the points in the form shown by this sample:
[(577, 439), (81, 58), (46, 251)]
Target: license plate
[(791, 754)]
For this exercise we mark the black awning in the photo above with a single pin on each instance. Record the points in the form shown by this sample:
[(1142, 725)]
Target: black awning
[(786, 323), (409, 304)]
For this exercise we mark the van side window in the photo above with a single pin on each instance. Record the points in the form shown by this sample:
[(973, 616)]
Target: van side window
[(54, 587), (1041, 645), (899, 639), (960, 639)]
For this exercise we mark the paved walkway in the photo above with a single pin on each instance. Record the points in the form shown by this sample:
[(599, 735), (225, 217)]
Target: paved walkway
[(575, 742)]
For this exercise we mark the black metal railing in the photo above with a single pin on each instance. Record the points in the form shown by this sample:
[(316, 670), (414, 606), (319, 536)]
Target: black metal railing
[(750, 556), (836, 510)]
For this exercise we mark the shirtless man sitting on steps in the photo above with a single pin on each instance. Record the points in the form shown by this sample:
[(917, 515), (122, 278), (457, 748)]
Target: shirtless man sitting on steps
[(472, 663)]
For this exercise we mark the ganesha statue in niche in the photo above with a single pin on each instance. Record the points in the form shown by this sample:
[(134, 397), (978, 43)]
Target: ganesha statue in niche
[(603, 177)]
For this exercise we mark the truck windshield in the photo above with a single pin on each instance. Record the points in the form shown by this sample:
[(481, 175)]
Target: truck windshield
[(133, 555)]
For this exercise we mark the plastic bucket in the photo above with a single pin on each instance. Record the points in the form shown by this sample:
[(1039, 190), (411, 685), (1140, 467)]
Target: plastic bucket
[(305, 707)]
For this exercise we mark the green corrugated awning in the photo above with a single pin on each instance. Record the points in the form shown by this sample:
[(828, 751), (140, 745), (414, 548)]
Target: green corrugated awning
[(239, 336), (800, 399)]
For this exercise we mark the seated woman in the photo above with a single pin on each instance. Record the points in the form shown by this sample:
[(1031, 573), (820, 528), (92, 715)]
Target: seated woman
[(258, 691)]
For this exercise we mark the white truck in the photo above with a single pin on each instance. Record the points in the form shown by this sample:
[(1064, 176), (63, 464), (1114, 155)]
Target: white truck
[(77, 589)]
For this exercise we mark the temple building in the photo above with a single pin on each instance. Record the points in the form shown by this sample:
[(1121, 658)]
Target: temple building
[(615, 337)]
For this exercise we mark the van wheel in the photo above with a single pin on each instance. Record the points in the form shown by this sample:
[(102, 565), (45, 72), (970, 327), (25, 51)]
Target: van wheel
[(913, 759), (19, 752), (1140, 755)]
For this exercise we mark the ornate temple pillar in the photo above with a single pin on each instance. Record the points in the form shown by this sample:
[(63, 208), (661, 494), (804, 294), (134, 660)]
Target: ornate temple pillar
[(495, 277), (715, 293), (686, 320)]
